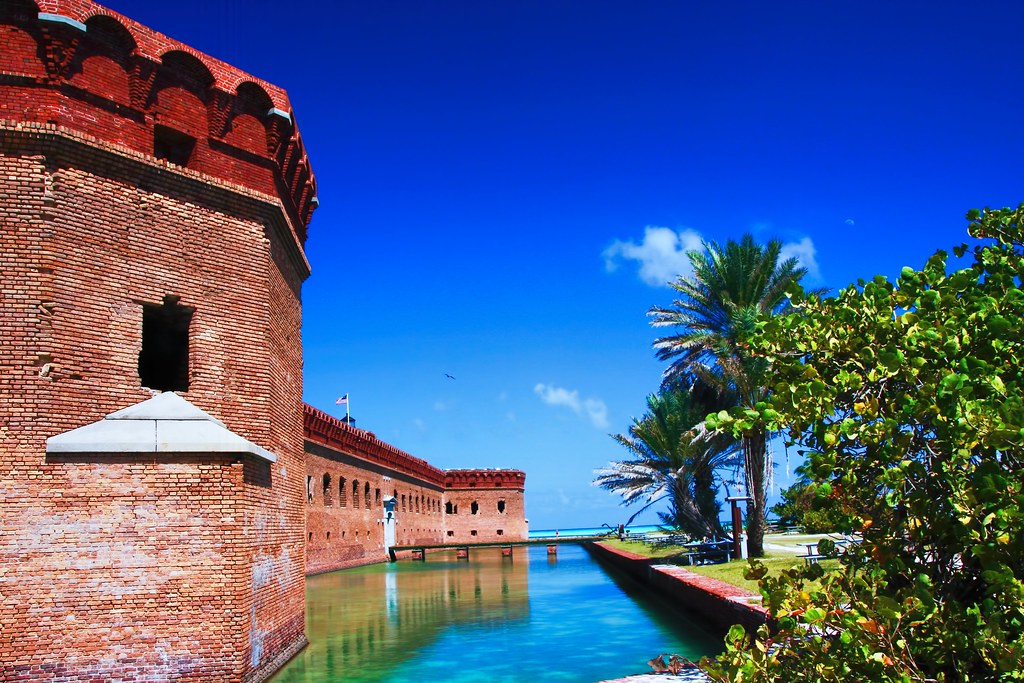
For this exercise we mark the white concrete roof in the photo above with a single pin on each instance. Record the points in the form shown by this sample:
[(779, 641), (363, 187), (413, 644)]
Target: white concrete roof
[(166, 423)]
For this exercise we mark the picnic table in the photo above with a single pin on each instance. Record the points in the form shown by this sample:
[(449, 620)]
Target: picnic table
[(706, 552), (811, 556)]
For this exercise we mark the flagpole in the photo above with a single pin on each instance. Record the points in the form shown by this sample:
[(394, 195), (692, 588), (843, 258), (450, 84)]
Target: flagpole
[(348, 402)]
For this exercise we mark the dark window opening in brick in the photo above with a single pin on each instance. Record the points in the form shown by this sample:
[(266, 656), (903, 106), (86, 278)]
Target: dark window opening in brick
[(474, 508), (451, 533), (472, 532), (448, 508), (501, 532), (366, 495), (172, 145), (342, 496), (309, 488), (501, 506), (327, 489), (163, 360)]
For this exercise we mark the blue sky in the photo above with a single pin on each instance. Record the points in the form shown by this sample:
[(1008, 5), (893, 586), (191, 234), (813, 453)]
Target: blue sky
[(506, 185)]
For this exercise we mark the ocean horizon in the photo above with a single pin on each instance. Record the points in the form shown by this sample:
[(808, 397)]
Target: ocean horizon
[(590, 531)]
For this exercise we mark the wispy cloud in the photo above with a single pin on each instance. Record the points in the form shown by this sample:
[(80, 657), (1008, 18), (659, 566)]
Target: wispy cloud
[(661, 254), (440, 406), (592, 408), (805, 253)]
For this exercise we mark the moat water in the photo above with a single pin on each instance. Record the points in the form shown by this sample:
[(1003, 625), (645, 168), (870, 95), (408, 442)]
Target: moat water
[(491, 619)]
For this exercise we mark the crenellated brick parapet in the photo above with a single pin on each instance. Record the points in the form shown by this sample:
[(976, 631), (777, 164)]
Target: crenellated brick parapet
[(331, 432), (81, 67), (485, 479)]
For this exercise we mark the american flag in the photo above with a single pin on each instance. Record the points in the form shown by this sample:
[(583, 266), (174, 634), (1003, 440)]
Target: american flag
[(342, 401)]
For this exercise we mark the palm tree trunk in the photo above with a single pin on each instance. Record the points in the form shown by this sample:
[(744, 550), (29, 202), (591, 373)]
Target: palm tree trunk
[(755, 460)]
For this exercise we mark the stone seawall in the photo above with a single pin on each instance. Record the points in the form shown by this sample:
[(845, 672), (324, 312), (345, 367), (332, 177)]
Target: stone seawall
[(720, 604)]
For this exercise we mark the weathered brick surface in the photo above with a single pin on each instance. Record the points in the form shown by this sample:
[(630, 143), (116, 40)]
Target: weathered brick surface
[(128, 567), (486, 505), (118, 79), (344, 528), (344, 525)]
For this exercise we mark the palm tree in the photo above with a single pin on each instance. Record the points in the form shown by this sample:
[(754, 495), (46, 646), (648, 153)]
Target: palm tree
[(673, 461), (718, 307)]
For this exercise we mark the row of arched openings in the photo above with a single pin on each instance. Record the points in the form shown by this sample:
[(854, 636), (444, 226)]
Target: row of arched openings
[(360, 495)]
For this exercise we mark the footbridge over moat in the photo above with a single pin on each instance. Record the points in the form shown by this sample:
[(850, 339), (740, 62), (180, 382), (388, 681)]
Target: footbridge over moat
[(419, 550)]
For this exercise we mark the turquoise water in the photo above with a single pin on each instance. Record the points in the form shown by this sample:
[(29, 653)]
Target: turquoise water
[(532, 618)]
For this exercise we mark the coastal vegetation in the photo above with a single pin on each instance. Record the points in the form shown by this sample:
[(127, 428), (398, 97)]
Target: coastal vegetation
[(731, 290), (672, 463), (907, 398), (801, 506)]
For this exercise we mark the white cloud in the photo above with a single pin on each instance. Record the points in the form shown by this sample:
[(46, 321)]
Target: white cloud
[(662, 254), (805, 253), (594, 409), (440, 406), (850, 221), (419, 424)]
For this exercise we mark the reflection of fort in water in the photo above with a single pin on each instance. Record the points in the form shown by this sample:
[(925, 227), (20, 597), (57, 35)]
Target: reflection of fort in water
[(386, 613)]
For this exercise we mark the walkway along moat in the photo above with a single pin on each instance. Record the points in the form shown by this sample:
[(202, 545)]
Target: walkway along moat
[(534, 617)]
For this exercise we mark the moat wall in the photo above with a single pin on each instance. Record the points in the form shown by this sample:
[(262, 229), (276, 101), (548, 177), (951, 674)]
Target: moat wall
[(716, 603)]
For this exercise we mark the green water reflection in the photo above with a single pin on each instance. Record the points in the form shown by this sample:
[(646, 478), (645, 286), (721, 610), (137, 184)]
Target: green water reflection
[(492, 619)]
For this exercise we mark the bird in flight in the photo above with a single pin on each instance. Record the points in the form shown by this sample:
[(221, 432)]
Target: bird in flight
[(448, 376)]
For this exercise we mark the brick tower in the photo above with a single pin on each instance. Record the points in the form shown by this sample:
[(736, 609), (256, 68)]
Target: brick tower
[(153, 211)]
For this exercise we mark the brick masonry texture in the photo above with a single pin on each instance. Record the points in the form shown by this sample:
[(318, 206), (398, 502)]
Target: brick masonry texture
[(133, 169), (124, 566), (349, 472)]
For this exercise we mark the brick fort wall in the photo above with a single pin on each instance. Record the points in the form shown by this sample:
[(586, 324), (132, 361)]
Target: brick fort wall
[(484, 505), (141, 173), (349, 471)]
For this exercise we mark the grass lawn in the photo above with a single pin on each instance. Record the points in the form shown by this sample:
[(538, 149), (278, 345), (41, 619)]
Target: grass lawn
[(732, 572)]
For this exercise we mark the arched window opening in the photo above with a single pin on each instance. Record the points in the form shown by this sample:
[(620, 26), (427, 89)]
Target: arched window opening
[(474, 507), (501, 506), (309, 488), (355, 493), (366, 495), (342, 493), (327, 488)]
